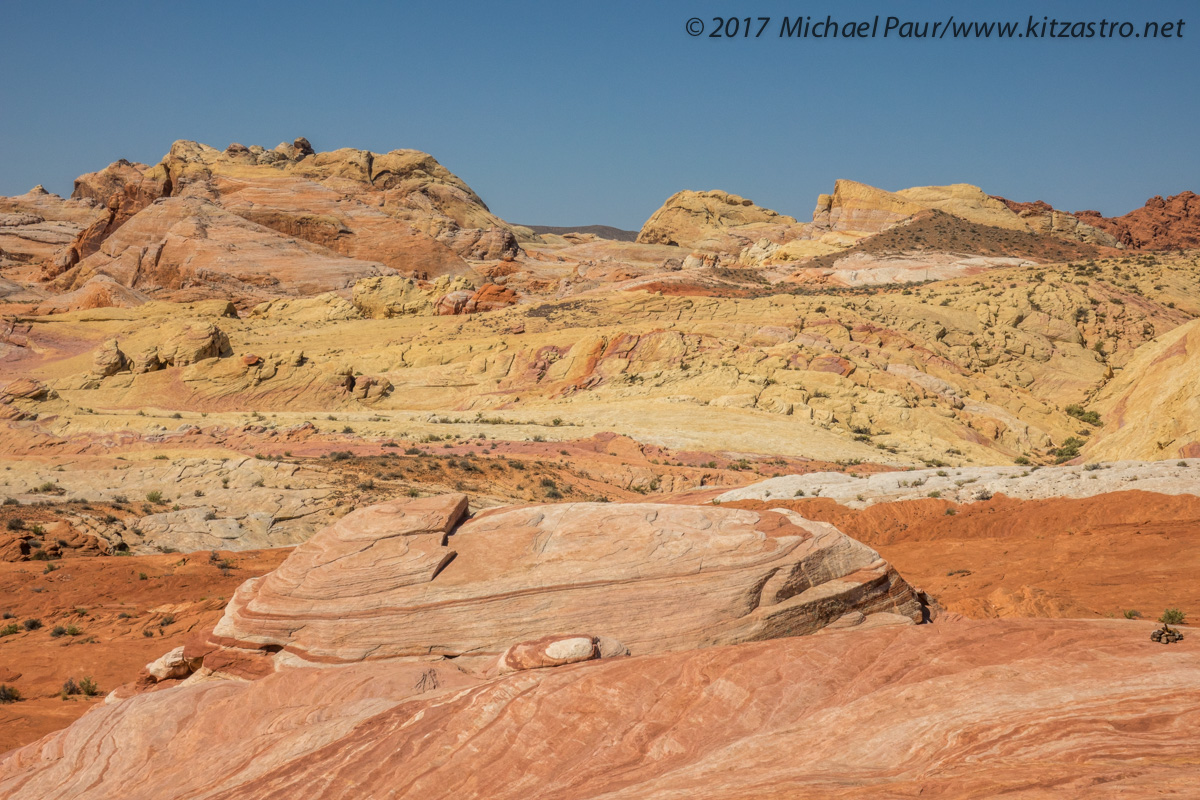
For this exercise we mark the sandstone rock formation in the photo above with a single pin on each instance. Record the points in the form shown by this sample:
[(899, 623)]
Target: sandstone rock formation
[(712, 220), (1102, 711), (260, 222), (970, 484), (1162, 379), (1043, 218), (395, 296), (856, 209), (36, 225), (1162, 224), (390, 581)]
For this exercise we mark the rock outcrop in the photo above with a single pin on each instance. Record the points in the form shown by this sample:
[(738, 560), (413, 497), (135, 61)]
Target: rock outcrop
[(1161, 224), (1152, 409), (263, 222), (1102, 711), (391, 581), (713, 220), (36, 225)]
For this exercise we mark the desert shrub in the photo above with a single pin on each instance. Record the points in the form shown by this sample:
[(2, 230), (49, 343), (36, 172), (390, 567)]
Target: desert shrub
[(10, 629), (15, 524), (1133, 613), (88, 687), (167, 619), (58, 631), (31, 624), (1076, 411), (9, 694), (1022, 460), (154, 497), (950, 512), (1172, 616), (1068, 450), (11, 501)]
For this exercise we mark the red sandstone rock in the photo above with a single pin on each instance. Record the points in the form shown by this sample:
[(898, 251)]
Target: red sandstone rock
[(1161, 224), (1034, 709), (389, 580)]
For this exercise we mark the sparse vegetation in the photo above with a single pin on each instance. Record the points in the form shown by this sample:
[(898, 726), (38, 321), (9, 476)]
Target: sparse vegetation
[(1172, 616)]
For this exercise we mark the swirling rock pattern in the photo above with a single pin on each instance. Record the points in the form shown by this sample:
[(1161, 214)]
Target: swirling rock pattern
[(390, 581), (1021, 708)]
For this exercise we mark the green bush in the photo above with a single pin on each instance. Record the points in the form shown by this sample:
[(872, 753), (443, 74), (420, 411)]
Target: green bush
[(1077, 411), (1068, 450), (1172, 616), (154, 497)]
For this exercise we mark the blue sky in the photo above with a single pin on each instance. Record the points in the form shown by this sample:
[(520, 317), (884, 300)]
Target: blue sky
[(570, 114)]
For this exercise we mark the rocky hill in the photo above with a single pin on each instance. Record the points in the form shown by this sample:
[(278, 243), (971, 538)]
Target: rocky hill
[(321, 480), (1173, 223)]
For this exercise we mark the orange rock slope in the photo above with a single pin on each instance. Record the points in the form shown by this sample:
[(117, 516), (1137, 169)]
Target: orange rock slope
[(1032, 709), (512, 681)]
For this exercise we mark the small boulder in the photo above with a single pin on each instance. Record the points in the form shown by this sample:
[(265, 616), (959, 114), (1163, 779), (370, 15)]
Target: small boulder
[(189, 342), (554, 651), (172, 665), (109, 360)]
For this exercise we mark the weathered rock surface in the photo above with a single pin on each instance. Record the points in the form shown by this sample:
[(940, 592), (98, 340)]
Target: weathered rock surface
[(36, 225), (239, 503), (712, 220), (856, 209), (256, 222), (1163, 378), (1101, 711), (388, 581), (99, 291), (1161, 224), (192, 243), (968, 484)]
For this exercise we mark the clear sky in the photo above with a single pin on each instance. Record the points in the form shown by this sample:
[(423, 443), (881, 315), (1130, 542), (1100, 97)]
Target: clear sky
[(567, 113)]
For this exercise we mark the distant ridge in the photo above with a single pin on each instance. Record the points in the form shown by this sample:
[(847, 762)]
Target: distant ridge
[(603, 231)]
